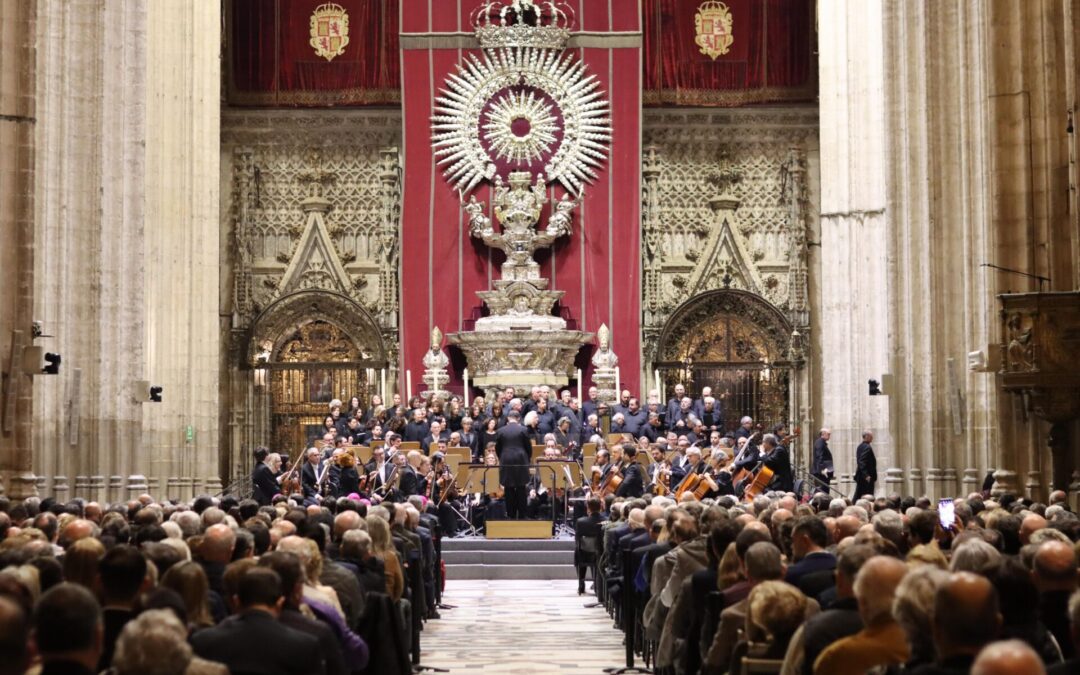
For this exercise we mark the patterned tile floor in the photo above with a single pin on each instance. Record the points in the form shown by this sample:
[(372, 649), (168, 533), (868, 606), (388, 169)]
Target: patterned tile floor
[(504, 627)]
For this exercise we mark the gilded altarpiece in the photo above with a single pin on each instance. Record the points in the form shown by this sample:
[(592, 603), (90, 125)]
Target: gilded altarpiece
[(728, 203), (310, 273)]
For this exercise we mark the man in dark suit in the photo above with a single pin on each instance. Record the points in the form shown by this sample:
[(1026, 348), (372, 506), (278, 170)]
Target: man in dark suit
[(289, 568), (254, 641), (776, 457), (512, 445), (309, 476), (808, 541), (588, 528), (123, 576), (865, 466), (633, 481), (821, 466), (262, 479)]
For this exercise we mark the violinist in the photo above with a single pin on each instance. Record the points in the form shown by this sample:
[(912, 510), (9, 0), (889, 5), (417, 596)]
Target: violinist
[(777, 458), (633, 483), (349, 478), (377, 468), (309, 477), (262, 478), (748, 456)]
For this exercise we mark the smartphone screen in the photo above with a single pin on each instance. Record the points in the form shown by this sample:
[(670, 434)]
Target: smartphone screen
[(946, 513)]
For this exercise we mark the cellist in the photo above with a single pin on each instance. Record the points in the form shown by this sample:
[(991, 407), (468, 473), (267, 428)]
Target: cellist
[(694, 466), (777, 458)]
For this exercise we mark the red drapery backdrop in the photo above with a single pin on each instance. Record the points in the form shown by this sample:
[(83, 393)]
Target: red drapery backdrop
[(271, 60), (598, 266), (770, 60)]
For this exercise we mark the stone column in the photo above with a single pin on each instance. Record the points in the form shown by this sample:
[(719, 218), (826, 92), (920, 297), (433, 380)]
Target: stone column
[(17, 120), (853, 264), (182, 242), (89, 227)]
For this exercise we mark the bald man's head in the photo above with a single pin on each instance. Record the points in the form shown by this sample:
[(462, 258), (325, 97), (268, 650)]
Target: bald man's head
[(875, 586), (345, 521), (966, 614), (1008, 658), (217, 544), (1031, 524), (1055, 567), (846, 526)]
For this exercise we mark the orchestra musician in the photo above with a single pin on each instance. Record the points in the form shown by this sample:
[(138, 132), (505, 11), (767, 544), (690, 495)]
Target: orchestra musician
[(262, 479), (777, 458), (309, 477), (633, 482)]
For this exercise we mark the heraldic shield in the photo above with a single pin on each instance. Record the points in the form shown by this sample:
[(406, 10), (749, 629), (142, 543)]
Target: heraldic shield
[(713, 25), (329, 30)]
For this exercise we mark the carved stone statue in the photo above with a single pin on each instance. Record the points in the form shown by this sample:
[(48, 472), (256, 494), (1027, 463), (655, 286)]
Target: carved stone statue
[(604, 363), (435, 364)]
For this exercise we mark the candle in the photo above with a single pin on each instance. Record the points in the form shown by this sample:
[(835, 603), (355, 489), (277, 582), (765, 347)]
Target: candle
[(465, 388), (579, 378), (408, 386), (659, 389), (382, 376), (618, 390)]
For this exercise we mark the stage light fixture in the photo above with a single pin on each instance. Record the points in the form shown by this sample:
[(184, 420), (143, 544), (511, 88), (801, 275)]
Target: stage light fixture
[(155, 394)]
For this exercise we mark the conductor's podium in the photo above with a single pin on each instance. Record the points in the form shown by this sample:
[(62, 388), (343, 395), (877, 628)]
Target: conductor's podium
[(519, 529)]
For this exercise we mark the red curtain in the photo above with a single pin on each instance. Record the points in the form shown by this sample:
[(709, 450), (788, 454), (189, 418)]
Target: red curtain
[(271, 60), (771, 58), (598, 267)]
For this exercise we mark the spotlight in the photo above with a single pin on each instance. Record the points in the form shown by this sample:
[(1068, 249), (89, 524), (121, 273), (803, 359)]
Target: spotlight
[(875, 388), (155, 394), (52, 364)]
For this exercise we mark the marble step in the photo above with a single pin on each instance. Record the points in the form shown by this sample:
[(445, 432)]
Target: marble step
[(510, 572), (488, 557), (481, 544)]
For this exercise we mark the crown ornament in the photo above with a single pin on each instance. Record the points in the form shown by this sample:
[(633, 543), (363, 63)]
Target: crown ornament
[(523, 23)]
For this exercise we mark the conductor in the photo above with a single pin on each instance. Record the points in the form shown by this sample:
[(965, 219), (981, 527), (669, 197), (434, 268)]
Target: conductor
[(512, 445)]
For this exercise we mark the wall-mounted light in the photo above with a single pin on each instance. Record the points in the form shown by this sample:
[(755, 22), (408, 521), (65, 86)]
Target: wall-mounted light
[(155, 394)]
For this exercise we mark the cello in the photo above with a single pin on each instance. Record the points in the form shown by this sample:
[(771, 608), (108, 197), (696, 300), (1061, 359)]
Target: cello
[(611, 482), (290, 482), (761, 480)]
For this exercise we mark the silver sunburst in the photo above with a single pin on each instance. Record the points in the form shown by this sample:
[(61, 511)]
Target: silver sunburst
[(520, 127), (577, 97)]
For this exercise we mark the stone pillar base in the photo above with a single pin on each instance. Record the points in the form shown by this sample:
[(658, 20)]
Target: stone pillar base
[(970, 481), (1004, 482), (1034, 486), (136, 485), (19, 485), (213, 485), (917, 485), (894, 481)]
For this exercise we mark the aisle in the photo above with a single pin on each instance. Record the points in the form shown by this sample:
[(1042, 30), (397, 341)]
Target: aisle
[(520, 627)]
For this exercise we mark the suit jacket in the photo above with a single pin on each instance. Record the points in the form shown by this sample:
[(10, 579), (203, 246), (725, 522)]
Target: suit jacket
[(255, 642), (780, 462), (881, 644), (410, 482), (865, 464), (826, 628), (308, 480), (633, 483), (512, 446), (266, 486), (822, 457), (333, 661)]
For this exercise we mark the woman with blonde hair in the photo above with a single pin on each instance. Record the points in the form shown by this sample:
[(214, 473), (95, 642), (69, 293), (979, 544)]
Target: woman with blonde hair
[(382, 547), (189, 580)]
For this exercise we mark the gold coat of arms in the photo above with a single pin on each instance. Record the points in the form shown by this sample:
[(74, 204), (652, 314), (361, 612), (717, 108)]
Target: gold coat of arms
[(713, 25), (329, 30)]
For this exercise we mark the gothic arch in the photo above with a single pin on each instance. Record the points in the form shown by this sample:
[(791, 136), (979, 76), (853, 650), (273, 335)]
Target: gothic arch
[(725, 326), (283, 319)]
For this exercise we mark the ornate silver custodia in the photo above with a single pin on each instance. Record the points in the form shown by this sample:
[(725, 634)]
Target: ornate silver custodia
[(521, 115), (521, 343)]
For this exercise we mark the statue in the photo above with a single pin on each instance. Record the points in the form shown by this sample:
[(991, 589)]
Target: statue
[(517, 208), (604, 363), (435, 364)]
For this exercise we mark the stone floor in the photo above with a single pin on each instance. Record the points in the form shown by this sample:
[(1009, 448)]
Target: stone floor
[(526, 626)]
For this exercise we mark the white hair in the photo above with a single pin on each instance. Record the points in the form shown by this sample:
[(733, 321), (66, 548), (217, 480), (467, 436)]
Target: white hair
[(153, 643), (530, 417), (746, 419)]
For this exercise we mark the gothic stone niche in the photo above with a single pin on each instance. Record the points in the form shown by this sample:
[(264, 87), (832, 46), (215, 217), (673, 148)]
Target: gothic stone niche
[(736, 343), (727, 204), (318, 342), (280, 161)]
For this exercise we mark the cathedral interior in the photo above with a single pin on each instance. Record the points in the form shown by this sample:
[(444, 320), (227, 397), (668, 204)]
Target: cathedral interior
[(219, 217)]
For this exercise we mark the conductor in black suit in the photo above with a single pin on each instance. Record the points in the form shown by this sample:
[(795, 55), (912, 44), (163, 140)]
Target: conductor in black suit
[(512, 445), (254, 641), (633, 481), (262, 479), (865, 466), (821, 468)]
